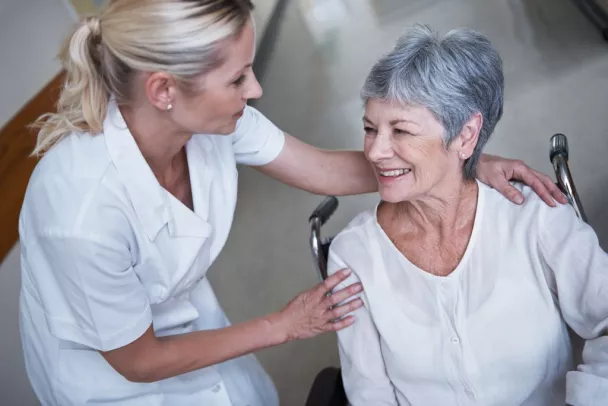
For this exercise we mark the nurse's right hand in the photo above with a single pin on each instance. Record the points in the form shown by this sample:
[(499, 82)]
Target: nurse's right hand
[(318, 310)]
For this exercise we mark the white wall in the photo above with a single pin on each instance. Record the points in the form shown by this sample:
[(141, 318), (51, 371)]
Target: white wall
[(31, 32)]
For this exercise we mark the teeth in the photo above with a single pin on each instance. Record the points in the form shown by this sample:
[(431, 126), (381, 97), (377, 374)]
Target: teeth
[(395, 172)]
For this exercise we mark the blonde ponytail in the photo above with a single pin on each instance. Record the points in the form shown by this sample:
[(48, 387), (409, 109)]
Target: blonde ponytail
[(179, 37), (83, 101)]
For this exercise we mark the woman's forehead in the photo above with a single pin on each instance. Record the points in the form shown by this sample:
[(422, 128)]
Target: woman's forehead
[(393, 112)]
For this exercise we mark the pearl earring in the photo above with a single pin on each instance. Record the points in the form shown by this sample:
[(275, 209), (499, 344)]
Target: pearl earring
[(462, 155), (169, 107)]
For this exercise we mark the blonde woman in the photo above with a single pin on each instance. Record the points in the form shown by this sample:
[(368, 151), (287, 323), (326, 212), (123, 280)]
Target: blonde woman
[(134, 199)]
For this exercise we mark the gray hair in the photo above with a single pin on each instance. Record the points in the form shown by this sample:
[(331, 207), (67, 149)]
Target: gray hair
[(453, 77)]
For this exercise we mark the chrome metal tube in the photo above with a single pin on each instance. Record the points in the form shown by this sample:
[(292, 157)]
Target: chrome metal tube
[(315, 246), (559, 158)]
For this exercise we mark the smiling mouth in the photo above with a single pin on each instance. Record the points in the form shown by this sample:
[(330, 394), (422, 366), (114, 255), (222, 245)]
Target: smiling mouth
[(394, 173)]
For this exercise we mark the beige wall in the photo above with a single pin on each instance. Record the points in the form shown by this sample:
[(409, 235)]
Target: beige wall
[(87, 6)]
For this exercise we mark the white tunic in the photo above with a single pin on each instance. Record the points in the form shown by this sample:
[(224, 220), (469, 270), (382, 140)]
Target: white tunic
[(106, 251), (493, 332)]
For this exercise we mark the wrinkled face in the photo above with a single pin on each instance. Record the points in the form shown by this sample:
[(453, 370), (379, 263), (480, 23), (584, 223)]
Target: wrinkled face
[(406, 149), (225, 90)]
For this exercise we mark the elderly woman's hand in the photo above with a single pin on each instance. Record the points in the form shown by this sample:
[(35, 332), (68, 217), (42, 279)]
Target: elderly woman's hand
[(315, 311), (496, 172)]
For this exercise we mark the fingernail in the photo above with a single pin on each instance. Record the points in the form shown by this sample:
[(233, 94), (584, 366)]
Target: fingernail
[(358, 288), (346, 272), (519, 199)]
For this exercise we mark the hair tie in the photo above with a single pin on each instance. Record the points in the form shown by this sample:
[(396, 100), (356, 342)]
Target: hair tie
[(94, 25)]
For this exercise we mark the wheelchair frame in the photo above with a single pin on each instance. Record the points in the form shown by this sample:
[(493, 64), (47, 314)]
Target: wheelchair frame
[(328, 389)]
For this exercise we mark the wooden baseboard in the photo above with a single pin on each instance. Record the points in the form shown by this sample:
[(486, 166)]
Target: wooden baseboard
[(16, 144)]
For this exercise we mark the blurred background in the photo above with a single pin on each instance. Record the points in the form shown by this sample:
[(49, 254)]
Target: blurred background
[(313, 56)]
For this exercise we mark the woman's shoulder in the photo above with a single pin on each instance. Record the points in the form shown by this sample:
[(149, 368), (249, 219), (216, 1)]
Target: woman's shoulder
[(356, 234), (77, 155), (71, 184), (533, 212)]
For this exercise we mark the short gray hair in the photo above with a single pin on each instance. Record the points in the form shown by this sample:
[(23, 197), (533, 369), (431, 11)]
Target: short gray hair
[(454, 77)]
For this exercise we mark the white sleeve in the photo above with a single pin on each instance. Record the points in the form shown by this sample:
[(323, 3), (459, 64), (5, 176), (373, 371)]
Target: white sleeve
[(580, 270), (89, 291), (363, 370), (256, 140)]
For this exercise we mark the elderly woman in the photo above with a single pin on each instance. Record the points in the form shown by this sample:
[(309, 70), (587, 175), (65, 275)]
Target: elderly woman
[(467, 296)]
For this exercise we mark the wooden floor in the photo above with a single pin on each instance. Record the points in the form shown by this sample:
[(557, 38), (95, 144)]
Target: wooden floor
[(16, 143)]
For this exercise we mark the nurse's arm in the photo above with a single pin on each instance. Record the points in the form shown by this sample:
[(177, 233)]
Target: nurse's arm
[(340, 173), (150, 358)]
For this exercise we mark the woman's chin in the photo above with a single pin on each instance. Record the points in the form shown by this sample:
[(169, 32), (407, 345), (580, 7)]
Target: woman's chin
[(395, 192), (392, 196)]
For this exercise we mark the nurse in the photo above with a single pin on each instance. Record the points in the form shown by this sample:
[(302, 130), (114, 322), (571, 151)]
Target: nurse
[(133, 201)]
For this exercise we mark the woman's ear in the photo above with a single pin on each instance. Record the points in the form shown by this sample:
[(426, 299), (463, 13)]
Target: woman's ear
[(161, 89), (468, 137)]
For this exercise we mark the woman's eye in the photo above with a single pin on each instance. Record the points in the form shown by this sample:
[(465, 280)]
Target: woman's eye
[(239, 81), (400, 132), (369, 130)]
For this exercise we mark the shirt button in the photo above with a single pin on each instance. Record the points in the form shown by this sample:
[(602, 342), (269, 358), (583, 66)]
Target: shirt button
[(455, 340)]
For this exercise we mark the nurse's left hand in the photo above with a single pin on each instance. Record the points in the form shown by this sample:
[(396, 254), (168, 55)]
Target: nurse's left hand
[(315, 311), (496, 172)]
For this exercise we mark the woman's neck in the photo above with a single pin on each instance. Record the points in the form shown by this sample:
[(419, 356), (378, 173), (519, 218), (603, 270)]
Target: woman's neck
[(446, 210), (158, 140)]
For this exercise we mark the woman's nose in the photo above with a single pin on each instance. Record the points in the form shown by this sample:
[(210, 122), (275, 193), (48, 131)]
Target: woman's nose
[(254, 89), (380, 149)]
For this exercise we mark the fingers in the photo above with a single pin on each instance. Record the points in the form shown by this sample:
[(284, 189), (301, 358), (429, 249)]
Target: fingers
[(552, 188), (508, 190), (342, 323), (343, 294), (342, 310), (332, 281), (535, 181)]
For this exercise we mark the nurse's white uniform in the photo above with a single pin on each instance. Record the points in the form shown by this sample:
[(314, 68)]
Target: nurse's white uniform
[(106, 251)]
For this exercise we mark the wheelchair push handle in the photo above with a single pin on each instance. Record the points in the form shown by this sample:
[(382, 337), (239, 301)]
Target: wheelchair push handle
[(319, 247), (558, 154), (325, 210), (559, 146)]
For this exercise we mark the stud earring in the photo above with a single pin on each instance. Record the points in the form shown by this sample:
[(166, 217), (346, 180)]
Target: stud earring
[(463, 155), (169, 107)]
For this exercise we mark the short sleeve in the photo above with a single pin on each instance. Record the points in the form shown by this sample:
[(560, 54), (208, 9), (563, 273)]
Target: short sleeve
[(256, 141), (88, 289)]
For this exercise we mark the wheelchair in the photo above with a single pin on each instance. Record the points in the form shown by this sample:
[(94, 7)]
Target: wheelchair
[(327, 388)]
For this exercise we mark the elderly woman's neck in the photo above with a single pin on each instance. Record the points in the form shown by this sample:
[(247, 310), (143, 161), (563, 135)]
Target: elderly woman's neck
[(449, 207)]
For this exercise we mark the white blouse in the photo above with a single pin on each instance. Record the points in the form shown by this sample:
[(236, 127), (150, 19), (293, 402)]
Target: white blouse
[(106, 252), (493, 332)]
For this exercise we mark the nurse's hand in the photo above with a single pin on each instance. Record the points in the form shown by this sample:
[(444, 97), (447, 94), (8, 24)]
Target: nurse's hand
[(496, 172), (316, 311)]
